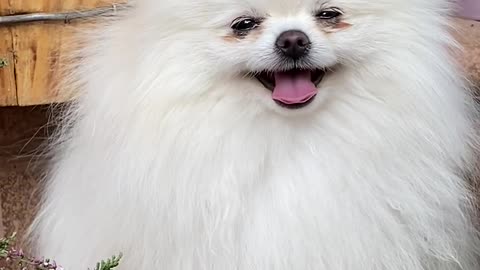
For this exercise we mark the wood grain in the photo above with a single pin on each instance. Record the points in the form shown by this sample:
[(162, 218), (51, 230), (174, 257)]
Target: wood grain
[(37, 48), (5, 7), (28, 6), (8, 90), (40, 46)]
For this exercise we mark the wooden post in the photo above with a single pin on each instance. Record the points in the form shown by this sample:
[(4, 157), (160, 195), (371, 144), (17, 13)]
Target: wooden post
[(37, 48), (8, 89)]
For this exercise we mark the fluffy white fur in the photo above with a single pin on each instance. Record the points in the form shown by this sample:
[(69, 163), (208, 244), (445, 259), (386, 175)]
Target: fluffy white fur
[(171, 156)]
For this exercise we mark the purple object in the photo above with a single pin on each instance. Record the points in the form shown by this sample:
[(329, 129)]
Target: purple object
[(469, 9)]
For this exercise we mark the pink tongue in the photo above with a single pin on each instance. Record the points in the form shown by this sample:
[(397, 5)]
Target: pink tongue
[(293, 87)]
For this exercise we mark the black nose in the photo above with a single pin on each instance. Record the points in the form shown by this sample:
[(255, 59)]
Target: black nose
[(294, 44)]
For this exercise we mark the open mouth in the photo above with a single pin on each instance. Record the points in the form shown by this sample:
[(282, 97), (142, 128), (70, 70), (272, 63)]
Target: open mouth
[(292, 89)]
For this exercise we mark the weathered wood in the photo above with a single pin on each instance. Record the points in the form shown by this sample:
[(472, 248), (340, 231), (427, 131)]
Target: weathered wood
[(5, 7), (8, 90), (39, 48), (67, 16), (28, 6)]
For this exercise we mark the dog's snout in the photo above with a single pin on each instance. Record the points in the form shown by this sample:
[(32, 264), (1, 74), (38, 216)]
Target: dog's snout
[(293, 44)]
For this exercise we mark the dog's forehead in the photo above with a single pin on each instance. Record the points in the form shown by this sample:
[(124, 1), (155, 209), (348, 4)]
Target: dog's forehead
[(268, 6), (271, 6), (282, 6), (294, 6), (216, 13)]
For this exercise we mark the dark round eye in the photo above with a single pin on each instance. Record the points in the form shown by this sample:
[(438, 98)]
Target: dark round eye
[(328, 14), (244, 24)]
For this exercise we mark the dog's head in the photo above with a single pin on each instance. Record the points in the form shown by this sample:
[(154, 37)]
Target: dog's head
[(284, 52)]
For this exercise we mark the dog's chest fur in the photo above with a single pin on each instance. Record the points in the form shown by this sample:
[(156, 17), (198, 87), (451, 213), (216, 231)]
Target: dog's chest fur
[(290, 198)]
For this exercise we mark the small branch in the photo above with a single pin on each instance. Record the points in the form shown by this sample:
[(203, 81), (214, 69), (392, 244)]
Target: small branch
[(64, 16)]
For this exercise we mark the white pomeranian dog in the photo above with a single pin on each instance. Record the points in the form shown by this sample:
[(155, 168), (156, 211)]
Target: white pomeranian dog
[(266, 135)]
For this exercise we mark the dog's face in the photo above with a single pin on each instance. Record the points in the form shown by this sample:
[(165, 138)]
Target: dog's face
[(285, 47), (284, 52)]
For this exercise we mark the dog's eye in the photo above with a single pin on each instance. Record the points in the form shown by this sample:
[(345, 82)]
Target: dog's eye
[(328, 14), (244, 24)]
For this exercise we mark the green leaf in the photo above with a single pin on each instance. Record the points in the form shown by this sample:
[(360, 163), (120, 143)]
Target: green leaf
[(5, 244), (109, 264)]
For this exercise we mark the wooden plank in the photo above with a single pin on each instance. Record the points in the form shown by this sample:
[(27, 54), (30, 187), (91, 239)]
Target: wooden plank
[(27, 6), (42, 50), (40, 47), (5, 7), (8, 91), (37, 49)]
